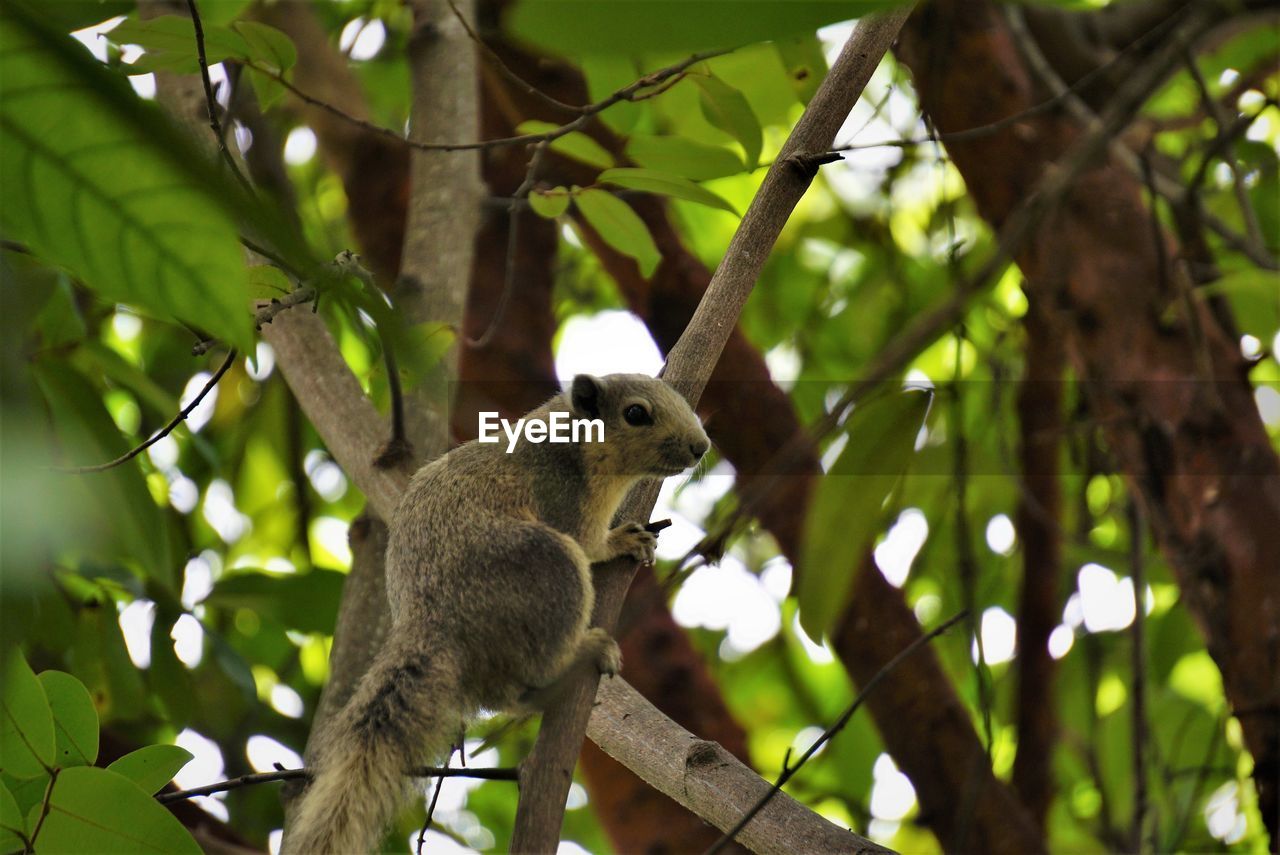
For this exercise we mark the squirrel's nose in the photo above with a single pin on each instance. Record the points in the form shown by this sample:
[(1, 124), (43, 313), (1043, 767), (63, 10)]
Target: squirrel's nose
[(699, 448)]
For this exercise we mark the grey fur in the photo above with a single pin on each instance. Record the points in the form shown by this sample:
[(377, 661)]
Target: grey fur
[(489, 581)]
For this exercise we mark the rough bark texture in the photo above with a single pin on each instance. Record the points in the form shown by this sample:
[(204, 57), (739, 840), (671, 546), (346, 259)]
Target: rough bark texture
[(1038, 522), (706, 778), (628, 807), (1172, 396)]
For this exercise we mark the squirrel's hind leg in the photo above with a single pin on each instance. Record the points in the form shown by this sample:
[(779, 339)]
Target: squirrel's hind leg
[(596, 648)]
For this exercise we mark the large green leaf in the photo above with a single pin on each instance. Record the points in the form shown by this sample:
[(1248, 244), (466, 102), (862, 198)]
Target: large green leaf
[(169, 42), (575, 145), (74, 718), (846, 509), (727, 109), (121, 512), (682, 156), (620, 227), (307, 602), (96, 810), (13, 828), (152, 766), (666, 184), (26, 731), (97, 182), (633, 27)]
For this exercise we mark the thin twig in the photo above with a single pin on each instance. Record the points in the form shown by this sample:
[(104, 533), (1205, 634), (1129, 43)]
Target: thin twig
[(211, 102), (642, 89), (505, 70), (1220, 118), (789, 771), (164, 431), (267, 312), (1168, 187), (488, 774), (1138, 676), (513, 220), (431, 807)]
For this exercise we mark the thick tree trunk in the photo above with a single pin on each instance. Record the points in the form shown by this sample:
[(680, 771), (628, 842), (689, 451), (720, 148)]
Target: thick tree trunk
[(1172, 395)]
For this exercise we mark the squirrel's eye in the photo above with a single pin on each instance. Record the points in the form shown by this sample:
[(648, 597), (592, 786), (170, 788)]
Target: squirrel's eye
[(637, 415)]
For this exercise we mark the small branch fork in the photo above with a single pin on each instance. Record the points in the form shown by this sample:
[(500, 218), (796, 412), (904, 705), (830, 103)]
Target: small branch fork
[(789, 770), (492, 774)]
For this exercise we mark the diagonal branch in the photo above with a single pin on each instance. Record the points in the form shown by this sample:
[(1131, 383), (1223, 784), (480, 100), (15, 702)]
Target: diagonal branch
[(548, 770)]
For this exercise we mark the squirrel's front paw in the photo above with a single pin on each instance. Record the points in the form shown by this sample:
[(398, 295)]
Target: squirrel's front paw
[(633, 541)]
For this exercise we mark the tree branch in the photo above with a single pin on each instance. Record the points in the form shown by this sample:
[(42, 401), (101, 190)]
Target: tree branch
[(164, 431), (547, 772), (708, 780), (495, 774), (789, 771)]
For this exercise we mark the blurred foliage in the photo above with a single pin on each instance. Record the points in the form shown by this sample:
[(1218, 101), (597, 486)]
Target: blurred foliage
[(188, 594)]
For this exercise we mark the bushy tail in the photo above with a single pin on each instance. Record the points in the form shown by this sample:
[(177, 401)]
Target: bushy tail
[(403, 713)]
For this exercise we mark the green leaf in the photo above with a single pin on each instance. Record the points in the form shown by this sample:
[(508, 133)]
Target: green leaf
[(74, 718), (98, 181), (846, 510), (267, 282), (169, 42), (152, 766), (805, 63), (635, 27), (620, 227), (653, 181), (120, 510), (26, 732), (268, 46), (575, 145), (307, 602), (727, 109), (1255, 297), (550, 204), (685, 157), (96, 810), (13, 828)]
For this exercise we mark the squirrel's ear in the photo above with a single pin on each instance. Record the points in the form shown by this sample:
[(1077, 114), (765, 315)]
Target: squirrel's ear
[(585, 395)]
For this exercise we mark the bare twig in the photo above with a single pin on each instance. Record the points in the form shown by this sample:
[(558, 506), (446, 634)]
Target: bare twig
[(1138, 676), (1220, 118), (212, 102), (164, 431), (513, 220), (505, 70), (642, 89), (493, 774), (267, 311), (435, 796), (789, 771)]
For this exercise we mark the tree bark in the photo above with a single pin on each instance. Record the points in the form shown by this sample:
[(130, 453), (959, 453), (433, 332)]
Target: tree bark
[(1172, 396)]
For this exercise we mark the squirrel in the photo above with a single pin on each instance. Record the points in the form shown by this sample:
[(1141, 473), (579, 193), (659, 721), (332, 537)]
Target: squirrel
[(488, 568)]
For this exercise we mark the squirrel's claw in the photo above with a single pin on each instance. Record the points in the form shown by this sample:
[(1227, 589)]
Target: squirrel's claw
[(634, 541)]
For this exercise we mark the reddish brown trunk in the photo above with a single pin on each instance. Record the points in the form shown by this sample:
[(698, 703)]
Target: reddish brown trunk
[(1171, 395)]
